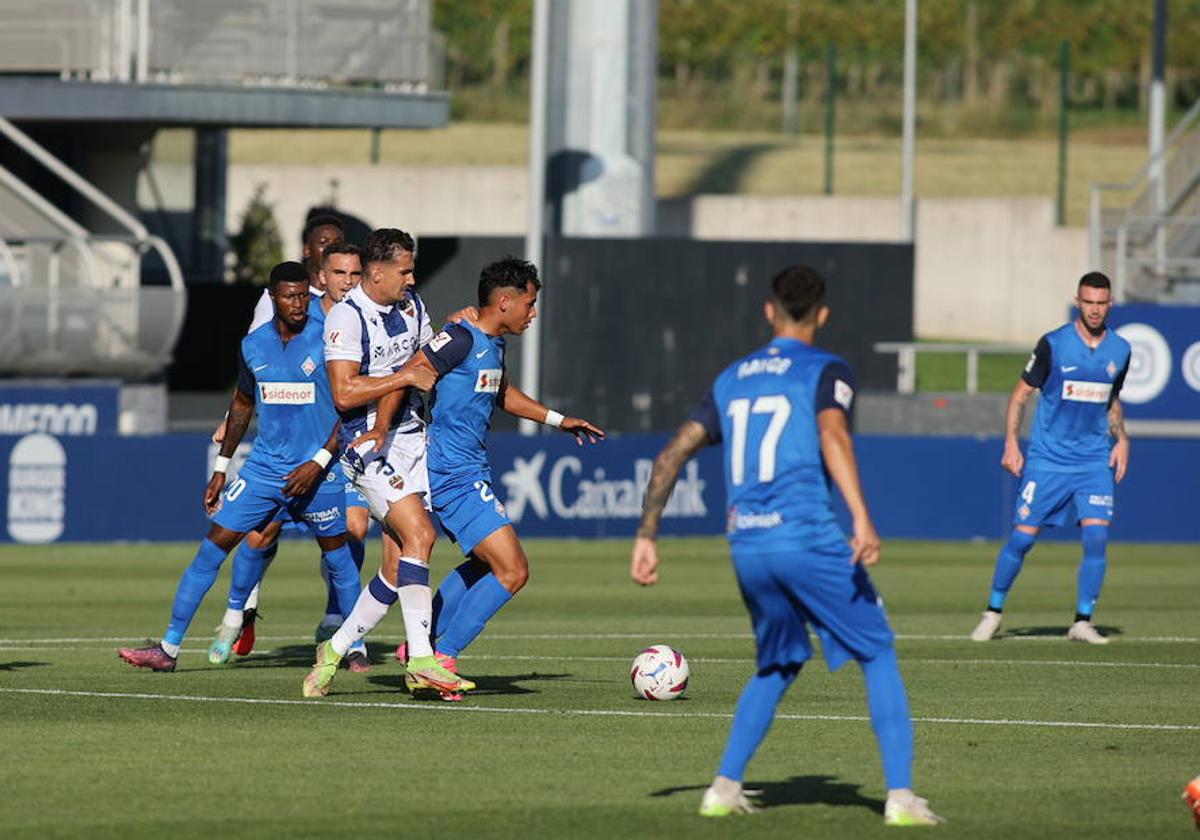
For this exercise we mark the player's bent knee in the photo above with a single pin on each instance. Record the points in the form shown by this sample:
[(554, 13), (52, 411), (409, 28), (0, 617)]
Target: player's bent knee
[(513, 579)]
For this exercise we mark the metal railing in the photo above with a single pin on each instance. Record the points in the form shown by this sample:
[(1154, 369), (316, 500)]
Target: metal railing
[(387, 43), (1164, 188), (906, 352), (1157, 258), (71, 301)]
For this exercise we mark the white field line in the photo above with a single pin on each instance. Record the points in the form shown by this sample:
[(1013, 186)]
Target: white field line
[(640, 637), (713, 660), (457, 708)]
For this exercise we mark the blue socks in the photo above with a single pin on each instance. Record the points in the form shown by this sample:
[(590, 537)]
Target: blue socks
[(888, 704), (752, 718), (358, 551), (478, 604), (197, 579), (343, 578), (1008, 566), (1092, 569), (449, 595), (249, 566)]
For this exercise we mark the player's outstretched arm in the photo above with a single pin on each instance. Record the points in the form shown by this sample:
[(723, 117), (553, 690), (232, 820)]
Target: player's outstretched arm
[(519, 404), (838, 451), (352, 389), (1119, 459), (241, 410), (688, 439), (1013, 460)]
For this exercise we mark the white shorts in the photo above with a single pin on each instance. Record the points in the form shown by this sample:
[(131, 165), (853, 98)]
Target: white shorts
[(390, 475)]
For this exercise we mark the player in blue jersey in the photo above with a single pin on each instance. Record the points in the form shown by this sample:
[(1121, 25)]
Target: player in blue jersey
[(281, 376), (1078, 451), (320, 232), (340, 271), (467, 360), (782, 414), (369, 337)]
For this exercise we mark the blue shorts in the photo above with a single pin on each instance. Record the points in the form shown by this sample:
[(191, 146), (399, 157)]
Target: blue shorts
[(468, 512), (1053, 498), (787, 592), (252, 500)]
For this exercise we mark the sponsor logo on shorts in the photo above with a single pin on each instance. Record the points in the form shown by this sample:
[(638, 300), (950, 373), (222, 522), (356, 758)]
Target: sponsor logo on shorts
[(1102, 501), (287, 393), (397, 482), (488, 381), (499, 507), (322, 519), (1089, 392), (752, 521), (1024, 511)]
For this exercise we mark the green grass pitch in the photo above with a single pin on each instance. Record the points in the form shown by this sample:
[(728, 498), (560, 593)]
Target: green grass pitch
[(1026, 736)]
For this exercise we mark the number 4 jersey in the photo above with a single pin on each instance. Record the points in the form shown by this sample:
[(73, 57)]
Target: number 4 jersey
[(764, 408)]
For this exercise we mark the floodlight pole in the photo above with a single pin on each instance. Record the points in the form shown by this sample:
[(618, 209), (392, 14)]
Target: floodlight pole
[(531, 341), (1158, 120), (908, 222)]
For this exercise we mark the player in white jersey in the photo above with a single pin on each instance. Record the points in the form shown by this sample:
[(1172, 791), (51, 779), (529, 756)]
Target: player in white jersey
[(368, 338)]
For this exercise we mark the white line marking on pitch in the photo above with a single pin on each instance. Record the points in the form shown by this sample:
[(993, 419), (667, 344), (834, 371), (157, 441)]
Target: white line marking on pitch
[(462, 708), (716, 660), (641, 637)]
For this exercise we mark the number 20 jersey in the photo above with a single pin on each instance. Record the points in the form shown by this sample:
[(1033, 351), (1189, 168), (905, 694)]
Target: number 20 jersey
[(764, 409)]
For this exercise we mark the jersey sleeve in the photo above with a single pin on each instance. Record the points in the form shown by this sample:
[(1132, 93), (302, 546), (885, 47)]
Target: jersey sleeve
[(424, 325), (706, 414), (245, 381), (343, 335), (448, 348), (1119, 382), (264, 311), (1037, 369), (835, 388)]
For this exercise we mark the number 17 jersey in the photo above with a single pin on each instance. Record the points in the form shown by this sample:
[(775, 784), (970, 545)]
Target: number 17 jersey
[(764, 408)]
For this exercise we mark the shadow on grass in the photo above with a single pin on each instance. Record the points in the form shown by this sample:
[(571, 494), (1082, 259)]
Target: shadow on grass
[(12, 666), (798, 790), (724, 174), (484, 685), (1055, 631)]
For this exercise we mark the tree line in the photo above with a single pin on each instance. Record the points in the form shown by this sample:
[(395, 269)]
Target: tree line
[(984, 53)]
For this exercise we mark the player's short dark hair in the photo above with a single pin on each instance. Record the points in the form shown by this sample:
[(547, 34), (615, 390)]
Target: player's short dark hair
[(1095, 280), (320, 221), (508, 273), (386, 244), (342, 248), (798, 291), (288, 272)]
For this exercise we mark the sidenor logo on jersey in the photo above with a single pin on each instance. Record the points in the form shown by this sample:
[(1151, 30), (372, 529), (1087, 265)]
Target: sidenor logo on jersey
[(287, 393), (1089, 392), (488, 381)]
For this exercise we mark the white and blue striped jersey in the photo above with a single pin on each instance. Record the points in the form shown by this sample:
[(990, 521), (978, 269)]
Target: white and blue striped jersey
[(1078, 385), (764, 409), (380, 339)]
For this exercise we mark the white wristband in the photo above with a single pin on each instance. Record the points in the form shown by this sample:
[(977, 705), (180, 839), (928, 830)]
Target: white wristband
[(553, 418), (322, 458), (220, 464)]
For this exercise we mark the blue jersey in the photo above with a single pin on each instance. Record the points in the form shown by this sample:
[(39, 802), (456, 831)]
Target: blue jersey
[(291, 395), (764, 408), (471, 365), (1078, 385)]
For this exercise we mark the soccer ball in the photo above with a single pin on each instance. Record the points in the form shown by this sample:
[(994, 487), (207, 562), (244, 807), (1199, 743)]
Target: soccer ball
[(659, 673)]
